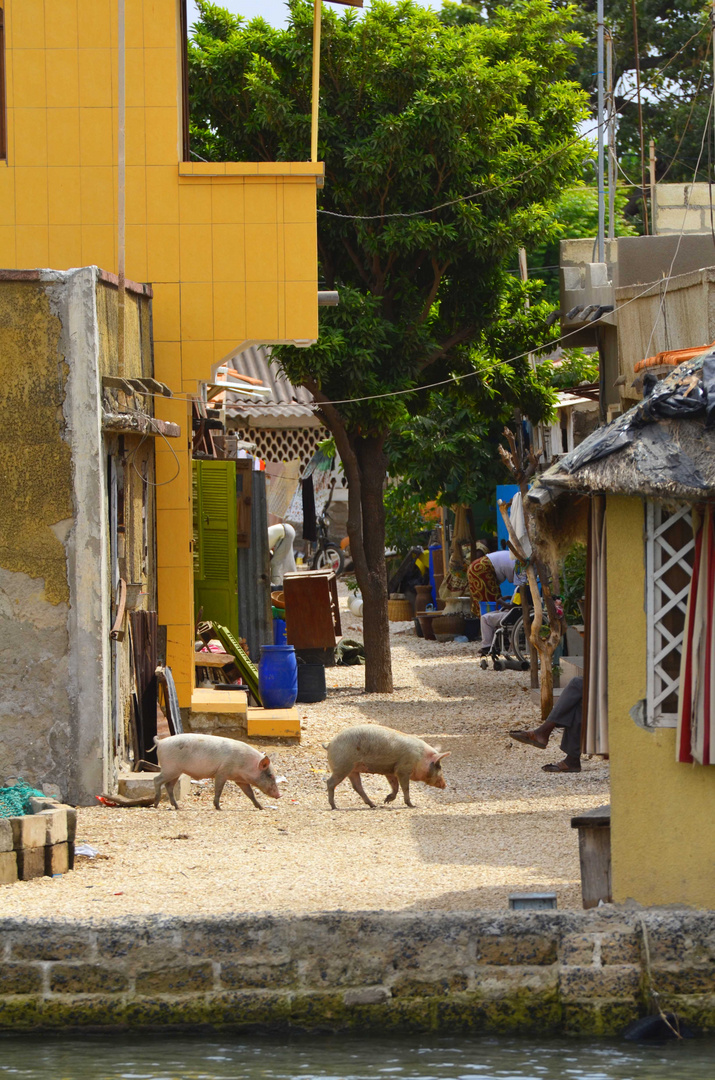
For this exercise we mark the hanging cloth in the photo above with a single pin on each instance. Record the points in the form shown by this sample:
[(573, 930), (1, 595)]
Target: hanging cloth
[(595, 731), (695, 740), (310, 528)]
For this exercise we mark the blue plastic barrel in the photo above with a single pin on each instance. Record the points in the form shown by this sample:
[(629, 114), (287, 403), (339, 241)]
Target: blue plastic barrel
[(279, 632), (278, 676)]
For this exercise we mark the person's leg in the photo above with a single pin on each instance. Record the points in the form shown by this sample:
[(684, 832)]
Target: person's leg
[(570, 718), (566, 713), (488, 623)]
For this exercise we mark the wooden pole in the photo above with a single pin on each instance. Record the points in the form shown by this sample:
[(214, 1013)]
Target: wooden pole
[(317, 16), (121, 187), (653, 209)]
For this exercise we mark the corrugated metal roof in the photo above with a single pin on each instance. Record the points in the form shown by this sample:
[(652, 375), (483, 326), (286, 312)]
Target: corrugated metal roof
[(285, 400)]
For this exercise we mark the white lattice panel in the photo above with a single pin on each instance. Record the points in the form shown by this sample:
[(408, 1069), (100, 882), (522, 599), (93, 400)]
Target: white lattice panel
[(285, 444), (669, 569)]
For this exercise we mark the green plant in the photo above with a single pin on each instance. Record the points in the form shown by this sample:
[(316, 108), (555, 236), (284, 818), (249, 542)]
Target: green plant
[(405, 524), (574, 583)]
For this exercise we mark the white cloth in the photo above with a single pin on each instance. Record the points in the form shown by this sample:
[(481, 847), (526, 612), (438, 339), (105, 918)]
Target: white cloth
[(504, 565), (518, 523), (488, 623), (280, 541)]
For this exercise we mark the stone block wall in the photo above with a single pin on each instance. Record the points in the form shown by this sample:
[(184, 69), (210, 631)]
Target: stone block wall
[(583, 973)]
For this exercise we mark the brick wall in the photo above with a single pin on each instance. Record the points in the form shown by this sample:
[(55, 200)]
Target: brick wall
[(561, 972)]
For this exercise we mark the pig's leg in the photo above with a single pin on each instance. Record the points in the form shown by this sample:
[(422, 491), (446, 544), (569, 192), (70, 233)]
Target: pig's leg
[(219, 784), (394, 784), (170, 792), (404, 779), (158, 781), (356, 782), (332, 783), (248, 790)]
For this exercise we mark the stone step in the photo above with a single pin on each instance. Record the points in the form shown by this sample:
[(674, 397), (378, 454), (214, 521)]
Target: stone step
[(140, 785)]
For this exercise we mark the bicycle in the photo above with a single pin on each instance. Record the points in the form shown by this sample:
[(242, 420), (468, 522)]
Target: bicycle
[(328, 555)]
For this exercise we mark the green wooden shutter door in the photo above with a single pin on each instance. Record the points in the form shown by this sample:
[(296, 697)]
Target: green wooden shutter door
[(215, 556)]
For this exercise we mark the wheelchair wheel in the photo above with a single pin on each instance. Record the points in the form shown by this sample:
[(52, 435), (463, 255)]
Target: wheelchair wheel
[(519, 646)]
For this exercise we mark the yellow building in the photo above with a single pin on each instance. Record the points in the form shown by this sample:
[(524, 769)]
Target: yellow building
[(649, 641), (230, 248)]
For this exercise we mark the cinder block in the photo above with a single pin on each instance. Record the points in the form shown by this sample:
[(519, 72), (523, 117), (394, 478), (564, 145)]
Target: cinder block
[(71, 823), (8, 867), (6, 842), (56, 827), (274, 723), (57, 859), (28, 831), (31, 862), (140, 785)]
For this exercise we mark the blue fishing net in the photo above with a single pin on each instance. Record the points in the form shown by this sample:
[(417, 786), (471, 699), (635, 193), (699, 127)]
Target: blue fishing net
[(15, 801)]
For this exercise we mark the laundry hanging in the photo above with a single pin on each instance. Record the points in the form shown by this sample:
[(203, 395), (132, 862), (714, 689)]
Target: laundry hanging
[(695, 740)]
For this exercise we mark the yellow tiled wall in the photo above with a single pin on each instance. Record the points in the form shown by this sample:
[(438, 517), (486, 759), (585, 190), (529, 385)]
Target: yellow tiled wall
[(229, 248)]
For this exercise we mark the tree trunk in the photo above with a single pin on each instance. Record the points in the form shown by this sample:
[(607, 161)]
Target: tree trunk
[(365, 466), (373, 473)]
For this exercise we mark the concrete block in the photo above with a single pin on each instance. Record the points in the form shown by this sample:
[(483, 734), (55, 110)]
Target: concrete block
[(56, 827), (6, 842), (28, 831), (31, 861), (140, 785), (71, 823), (273, 723), (228, 725), (367, 995), (8, 867), (57, 859), (510, 949)]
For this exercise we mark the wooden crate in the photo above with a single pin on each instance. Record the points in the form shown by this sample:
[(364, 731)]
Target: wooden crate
[(311, 607)]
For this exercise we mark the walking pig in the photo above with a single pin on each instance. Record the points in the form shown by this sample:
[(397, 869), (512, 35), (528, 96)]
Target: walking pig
[(202, 756), (370, 748)]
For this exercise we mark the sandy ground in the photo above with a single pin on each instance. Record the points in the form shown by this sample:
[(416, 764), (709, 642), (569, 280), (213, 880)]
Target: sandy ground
[(502, 825)]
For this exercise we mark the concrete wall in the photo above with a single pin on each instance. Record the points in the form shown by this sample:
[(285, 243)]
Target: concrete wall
[(56, 599), (649, 324), (582, 973), (682, 208), (662, 812)]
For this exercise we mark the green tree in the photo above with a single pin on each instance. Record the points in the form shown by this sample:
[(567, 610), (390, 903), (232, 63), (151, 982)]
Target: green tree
[(414, 115), (675, 100)]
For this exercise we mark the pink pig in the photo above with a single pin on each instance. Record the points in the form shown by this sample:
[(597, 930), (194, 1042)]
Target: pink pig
[(370, 748), (202, 756)]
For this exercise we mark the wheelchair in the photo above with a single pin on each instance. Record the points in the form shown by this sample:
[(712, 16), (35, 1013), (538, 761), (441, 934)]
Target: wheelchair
[(509, 648)]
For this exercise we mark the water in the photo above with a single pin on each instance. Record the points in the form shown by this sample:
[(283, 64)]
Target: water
[(336, 1057)]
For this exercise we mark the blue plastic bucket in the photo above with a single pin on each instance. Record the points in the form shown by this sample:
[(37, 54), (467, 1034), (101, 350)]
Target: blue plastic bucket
[(278, 676), (279, 632)]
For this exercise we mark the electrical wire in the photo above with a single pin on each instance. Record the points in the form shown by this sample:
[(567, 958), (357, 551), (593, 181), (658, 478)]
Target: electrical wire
[(512, 180), (690, 114)]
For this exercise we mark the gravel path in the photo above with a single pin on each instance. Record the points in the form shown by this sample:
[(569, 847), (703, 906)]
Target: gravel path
[(502, 825)]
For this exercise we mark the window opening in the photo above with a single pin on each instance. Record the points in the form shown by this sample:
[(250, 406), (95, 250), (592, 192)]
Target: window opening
[(669, 569), (184, 30)]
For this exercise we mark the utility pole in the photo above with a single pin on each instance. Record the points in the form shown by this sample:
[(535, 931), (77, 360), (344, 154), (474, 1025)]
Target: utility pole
[(611, 121), (317, 18), (640, 115), (121, 186), (653, 207), (601, 186)]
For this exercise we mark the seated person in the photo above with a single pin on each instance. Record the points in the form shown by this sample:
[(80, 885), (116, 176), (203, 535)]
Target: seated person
[(567, 713), (280, 541), (486, 574)]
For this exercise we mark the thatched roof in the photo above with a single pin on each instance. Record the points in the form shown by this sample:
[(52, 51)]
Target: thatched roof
[(664, 447)]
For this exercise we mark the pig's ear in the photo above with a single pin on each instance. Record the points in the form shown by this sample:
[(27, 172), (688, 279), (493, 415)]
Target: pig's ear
[(444, 755), (265, 762)]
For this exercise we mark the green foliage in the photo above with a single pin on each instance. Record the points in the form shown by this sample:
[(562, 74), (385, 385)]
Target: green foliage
[(405, 524), (675, 102), (576, 367), (413, 113), (573, 586)]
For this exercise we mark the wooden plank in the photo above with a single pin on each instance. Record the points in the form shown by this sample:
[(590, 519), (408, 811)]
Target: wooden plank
[(594, 848), (590, 819)]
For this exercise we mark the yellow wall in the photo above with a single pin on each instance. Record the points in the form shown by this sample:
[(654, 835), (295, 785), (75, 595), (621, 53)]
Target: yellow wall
[(662, 813), (230, 248)]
